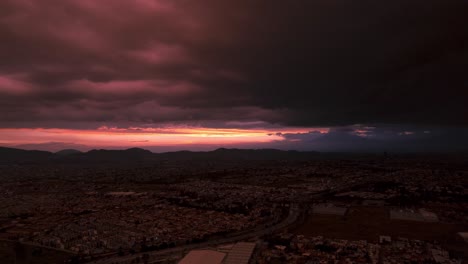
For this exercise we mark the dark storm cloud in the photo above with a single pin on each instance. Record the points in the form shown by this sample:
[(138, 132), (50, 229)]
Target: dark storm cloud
[(401, 138), (82, 63)]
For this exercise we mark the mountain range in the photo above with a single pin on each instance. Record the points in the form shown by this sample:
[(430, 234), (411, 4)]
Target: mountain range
[(13, 155)]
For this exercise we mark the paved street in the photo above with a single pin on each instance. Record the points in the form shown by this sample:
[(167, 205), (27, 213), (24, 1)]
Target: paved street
[(294, 212)]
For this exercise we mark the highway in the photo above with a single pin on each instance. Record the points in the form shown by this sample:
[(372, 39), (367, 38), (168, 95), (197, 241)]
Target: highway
[(293, 215)]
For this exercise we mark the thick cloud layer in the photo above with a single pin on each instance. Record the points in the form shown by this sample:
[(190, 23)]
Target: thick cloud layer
[(82, 64)]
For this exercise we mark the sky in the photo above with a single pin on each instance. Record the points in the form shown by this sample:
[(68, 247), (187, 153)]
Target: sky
[(165, 75)]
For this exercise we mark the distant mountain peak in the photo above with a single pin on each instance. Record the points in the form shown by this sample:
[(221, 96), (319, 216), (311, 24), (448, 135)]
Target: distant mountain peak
[(139, 150)]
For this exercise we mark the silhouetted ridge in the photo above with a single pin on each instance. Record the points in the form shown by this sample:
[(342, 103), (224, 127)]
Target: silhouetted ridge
[(139, 151), (103, 155), (66, 152), (9, 155), (239, 154), (94, 156)]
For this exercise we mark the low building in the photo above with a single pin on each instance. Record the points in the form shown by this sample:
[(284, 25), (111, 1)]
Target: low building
[(240, 253), (420, 215), (203, 257), (428, 216)]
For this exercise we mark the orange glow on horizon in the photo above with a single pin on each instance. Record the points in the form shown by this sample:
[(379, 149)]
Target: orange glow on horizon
[(138, 137)]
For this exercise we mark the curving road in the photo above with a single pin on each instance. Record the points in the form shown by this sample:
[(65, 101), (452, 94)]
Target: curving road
[(294, 212)]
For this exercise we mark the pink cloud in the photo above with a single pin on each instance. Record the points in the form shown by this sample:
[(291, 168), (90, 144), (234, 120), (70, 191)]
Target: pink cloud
[(85, 24), (132, 87), (160, 54), (111, 6), (14, 86), (80, 35)]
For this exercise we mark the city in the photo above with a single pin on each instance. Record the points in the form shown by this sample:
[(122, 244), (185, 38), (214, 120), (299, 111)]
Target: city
[(374, 209)]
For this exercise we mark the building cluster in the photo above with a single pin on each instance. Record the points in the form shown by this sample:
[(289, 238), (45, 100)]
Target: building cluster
[(94, 223), (96, 210), (299, 249)]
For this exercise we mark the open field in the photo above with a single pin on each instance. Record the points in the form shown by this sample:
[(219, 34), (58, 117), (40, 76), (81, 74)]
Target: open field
[(367, 223)]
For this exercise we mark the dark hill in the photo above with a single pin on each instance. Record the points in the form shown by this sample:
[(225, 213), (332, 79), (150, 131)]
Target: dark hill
[(96, 156), (103, 155), (12, 155), (66, 152), (239, 154)]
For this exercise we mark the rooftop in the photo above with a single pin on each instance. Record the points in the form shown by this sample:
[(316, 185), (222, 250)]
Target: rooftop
[(203, 257), (240, 253)]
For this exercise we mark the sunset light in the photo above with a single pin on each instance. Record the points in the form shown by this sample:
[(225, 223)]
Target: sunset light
[(140, 137)]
